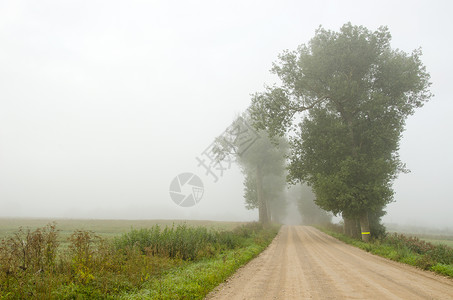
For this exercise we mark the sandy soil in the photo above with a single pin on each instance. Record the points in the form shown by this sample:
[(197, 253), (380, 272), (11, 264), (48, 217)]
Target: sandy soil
[(304, 263)]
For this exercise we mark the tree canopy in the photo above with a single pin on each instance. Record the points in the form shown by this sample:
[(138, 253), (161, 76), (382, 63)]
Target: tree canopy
[(355, 92)]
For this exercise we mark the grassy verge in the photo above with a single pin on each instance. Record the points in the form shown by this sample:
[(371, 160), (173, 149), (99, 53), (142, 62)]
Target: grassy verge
[(404, 249), (177, 262), (196, 280)]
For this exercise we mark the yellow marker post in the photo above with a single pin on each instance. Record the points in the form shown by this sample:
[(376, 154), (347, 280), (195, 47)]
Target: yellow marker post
[(366, 233)]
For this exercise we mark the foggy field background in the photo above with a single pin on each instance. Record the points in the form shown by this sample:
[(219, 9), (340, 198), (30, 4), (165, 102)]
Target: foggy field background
[(104, 228), (102, 104)]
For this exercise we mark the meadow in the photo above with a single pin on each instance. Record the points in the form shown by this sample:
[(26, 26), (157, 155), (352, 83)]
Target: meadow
[(438, 240), (435, 236), (110, 259)]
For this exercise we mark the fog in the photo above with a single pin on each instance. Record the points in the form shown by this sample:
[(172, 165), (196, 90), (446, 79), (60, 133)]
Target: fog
[(103, 103)]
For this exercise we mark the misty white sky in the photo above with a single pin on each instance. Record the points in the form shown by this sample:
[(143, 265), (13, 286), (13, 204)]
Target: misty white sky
[(103, 103)]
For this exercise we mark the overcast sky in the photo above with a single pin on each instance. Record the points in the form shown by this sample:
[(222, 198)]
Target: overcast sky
[(103, 103)]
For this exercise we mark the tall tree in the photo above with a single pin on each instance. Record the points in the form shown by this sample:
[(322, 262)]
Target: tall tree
[(357, 92), (343, 183), (263, 164)]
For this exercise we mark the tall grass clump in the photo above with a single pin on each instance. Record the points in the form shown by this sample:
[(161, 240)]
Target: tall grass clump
[(185, 242), (27, 259)]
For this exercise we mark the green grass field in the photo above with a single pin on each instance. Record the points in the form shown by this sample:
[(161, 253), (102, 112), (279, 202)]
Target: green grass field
[(431, 235), (435, 239), (438, 241)]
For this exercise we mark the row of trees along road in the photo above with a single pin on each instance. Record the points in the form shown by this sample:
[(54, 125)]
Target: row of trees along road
[(344, 97)]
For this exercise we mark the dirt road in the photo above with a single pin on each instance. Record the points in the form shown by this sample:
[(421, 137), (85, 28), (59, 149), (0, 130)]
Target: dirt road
[(304, 263)]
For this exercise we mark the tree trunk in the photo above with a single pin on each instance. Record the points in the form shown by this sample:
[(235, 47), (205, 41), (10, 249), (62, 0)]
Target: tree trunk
[(351, 227), (356, 229), (269, 212), (365, 227), (347, 227), (364, 222), (262, 207)]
